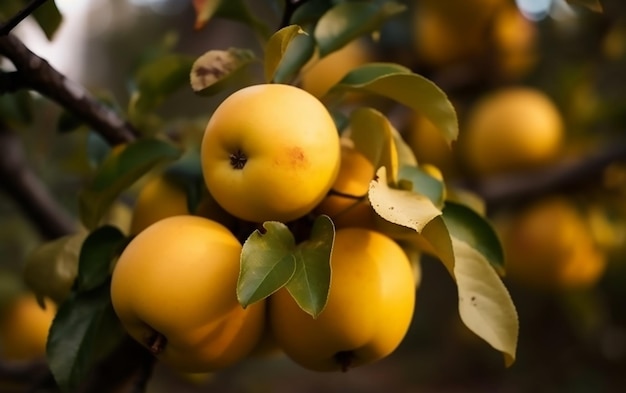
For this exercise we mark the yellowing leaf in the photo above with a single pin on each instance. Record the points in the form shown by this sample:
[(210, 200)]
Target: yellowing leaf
[(401, 207), (372, 134), (286, 52), (351, 19), (211, 71), (485, 305)]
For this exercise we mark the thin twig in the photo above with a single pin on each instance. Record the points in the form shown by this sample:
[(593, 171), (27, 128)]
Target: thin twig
[(39, 75), (6, 27), (28, 191)]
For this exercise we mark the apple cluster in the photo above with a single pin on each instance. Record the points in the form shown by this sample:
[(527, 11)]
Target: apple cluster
[(270, 152)]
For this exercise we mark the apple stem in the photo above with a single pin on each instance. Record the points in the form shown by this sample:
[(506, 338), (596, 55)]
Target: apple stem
[(332, 191), (344, 359), (156, 343)]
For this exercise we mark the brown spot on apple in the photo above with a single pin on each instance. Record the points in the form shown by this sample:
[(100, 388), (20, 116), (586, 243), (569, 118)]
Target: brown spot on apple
[(296, 157)]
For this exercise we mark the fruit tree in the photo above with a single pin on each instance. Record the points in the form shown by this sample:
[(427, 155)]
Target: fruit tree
[(353, 195)]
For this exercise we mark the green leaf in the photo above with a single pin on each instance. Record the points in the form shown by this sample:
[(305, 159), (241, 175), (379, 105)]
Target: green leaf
[(158, 79), (11, 287), (117, 173), (311, 281), (286, 52), (267, 263), (352, 19), (400, 84), (372, 134), (402, 207), (98, 149), (215, 69), (424, 184), (99, 249), (473, 229), (238, 10), (50, 270), (467, 198), (49, 18), (593, 5), (310, 12), (84, 330), (485, 305)]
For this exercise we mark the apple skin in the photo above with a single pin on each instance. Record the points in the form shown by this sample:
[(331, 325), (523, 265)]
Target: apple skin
[(369, 310), (270, 152), (177, 280), (24, 327)]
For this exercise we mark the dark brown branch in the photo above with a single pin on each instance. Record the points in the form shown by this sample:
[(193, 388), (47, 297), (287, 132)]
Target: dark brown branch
[(568, 176), (10, 82), (21, 372), (39, 75), (6, 27), (27, 190)]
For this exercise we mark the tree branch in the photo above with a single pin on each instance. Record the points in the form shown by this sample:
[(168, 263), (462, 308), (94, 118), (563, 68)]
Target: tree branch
[(27, 190), (6, 27), (39, 75), (10, 82), (568, 176)]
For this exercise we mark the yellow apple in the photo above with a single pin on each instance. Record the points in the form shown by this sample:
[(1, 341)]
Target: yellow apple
[(174, 290), (511, 129), (369, 310), (24, 327), (158, 198), (549, 245), (347, 203), (270, 152)]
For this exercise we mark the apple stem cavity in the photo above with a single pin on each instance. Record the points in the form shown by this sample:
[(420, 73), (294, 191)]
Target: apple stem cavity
[(238, 159), (156, 343), (344, 359)]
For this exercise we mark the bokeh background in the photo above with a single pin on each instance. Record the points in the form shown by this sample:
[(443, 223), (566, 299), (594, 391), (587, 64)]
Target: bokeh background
[(572, 337)]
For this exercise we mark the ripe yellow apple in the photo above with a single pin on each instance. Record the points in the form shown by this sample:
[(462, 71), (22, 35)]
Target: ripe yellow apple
[(514, 40), (157, 199), (24, 327), (174, 290), (446, 32), (347, 203), (369, 310), (549, 245), (270, 152), (322, 74), (511, 129)]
